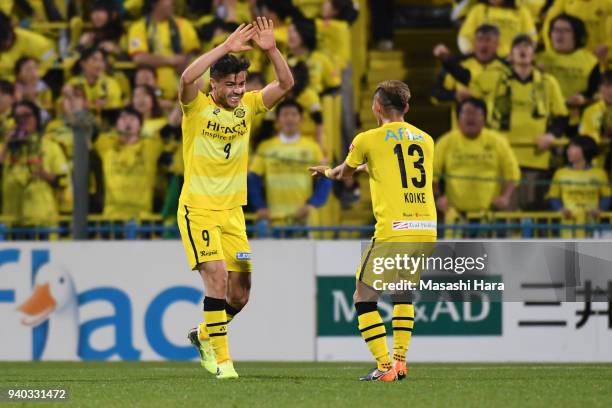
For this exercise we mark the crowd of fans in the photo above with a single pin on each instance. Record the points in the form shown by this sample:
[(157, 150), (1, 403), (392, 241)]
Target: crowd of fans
[(529, 86), (113, 68), (532, 121)]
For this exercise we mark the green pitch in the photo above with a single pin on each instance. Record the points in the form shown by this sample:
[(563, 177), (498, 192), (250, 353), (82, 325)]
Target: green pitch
[(316, 385)]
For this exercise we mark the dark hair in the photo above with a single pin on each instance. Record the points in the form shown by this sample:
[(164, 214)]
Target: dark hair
[(129, 110), (580, 33), (507, 3), (148, 6), (345, 10), (6, 27), (113, 29), (149, 68), (288, 103), (86, 54), (588, 146), (301, 78), (7, 87), (393, 94), (307, 31), (487, 29), (207, 31), (475, 102), (256, 76), (282, 8), (34, 108), (606, 77), (522, 39), (20, 63), (156, 110), (227, 65)]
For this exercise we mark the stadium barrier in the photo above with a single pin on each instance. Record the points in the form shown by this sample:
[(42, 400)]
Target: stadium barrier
[(136, 300), (489, 224)]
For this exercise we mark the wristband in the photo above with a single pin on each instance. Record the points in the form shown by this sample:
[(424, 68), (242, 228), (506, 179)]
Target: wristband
[(328, 173)]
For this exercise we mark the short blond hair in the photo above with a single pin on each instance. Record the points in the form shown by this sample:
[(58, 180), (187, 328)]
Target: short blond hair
[(393, 94)]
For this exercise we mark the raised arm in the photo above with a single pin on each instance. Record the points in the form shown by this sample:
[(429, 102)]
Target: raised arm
[(236, 42), (264, 38)]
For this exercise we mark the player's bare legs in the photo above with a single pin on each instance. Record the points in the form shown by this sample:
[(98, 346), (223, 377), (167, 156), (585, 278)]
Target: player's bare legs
[(238, 291), (373, 332)]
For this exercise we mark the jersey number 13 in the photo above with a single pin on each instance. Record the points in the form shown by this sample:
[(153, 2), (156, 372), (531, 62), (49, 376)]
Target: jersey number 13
[(412, 150)]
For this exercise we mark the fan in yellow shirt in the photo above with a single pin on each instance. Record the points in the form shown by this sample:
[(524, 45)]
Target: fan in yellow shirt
[(278, 166), (509, 18), (34, 169), (18, 42), (102, 91), (163, 41), (579, 187), (216, 132), (129, 164), (311, 125), (526, 106), (477, 164), (597, 118), (333, 31), (28, 84), (453, 82), (302, 42), (575, 68), (595, 15)]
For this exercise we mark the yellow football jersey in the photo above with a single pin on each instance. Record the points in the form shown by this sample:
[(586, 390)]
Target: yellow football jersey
[(597, 121), (105, 87), (579, 189), (400, 162), (310, 103), (159, 36), (129, 174), (472, 168), (510, 21), (520, 110), (27, 44), (333, 39), (282, 164), (29, 199), (321, 71), (216, 150), (449, 83)]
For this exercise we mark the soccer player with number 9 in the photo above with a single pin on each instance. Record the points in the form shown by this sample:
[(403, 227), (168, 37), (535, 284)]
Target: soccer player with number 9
[(216, 129)]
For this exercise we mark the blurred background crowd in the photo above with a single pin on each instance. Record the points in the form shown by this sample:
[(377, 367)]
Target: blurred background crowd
[(517, 94)]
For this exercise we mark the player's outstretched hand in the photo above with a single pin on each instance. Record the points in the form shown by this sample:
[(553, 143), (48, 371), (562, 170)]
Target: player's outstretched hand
[(264, 36), (237, 41), (318, 170)]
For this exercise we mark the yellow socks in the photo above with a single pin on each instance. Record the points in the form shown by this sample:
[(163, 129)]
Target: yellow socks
[(230, 312), (216, 327), (374, 333), (403, 322)]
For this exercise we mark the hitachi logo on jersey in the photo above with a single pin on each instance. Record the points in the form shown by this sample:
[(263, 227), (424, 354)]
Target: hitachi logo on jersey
[(240, 128), (403, 133)]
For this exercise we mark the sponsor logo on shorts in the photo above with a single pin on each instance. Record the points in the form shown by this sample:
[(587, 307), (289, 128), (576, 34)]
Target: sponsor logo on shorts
[(413, 225), (243, 256), (208, 253)]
